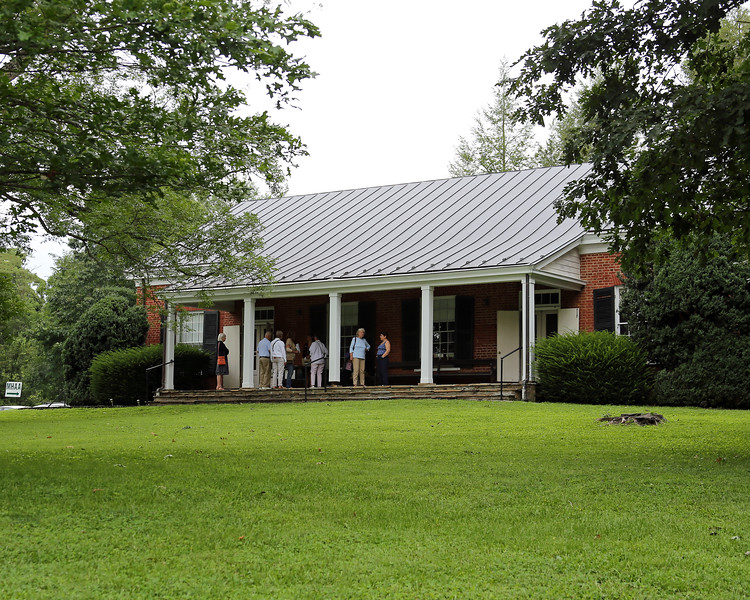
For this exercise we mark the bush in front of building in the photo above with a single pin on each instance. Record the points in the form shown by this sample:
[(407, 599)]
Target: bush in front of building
[(120, 377), (111, 323), (691, 312), (592, 368)]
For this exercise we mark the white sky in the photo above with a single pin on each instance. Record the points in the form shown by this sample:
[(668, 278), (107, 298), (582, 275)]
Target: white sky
[(399, 81)]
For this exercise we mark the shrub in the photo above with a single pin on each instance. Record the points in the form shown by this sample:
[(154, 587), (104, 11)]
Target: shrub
[(591, 368), (691, 312), (120, 375), (111, 323)]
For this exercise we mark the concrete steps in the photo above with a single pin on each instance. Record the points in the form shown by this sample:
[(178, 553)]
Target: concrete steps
[(472, 391)]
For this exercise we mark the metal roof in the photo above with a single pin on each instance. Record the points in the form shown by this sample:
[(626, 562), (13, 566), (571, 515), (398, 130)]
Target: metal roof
[(478, 222)]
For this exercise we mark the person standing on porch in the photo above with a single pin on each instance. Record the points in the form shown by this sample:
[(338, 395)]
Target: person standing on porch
[(264, 361), (318, 353), (222, 354), (357, 350), (291, 354), (384, 350), (278, 356)]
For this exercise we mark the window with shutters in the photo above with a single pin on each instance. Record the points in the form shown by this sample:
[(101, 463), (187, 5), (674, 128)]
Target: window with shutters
[(190, 328), (444, 327), (607, 316)]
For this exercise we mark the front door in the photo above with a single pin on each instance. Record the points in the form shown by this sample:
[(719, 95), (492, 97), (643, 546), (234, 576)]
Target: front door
[(508, 344)]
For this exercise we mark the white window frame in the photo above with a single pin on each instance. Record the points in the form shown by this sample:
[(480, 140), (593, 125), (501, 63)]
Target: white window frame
[(620, 325), (190, 330), (444, 338), (349, 325)]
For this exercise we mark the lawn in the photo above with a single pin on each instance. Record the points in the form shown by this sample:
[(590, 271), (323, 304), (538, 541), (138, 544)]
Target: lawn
[(381, 499)]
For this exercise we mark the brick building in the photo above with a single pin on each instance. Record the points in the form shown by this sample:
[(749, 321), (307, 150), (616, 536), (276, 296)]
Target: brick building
[(459, 272)]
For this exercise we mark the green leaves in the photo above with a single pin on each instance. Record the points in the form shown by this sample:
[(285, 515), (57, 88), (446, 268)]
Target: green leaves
[(592, 368), (691, 312), (108, 109), (663, 124)]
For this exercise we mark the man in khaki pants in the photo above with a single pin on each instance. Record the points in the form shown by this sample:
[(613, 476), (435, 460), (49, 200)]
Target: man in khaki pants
[(357, 350), (264, 361)]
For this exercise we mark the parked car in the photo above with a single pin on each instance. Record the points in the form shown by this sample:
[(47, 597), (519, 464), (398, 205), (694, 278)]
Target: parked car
[(12, 407), (52, 405)]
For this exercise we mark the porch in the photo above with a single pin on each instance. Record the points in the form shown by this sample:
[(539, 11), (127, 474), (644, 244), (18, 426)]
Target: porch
[(471, 391)]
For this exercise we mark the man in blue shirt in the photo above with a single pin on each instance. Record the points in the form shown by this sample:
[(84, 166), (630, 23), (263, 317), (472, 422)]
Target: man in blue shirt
[(357, 350), (264, 361)]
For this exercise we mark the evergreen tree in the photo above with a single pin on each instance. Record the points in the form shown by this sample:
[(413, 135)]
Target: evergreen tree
[(692, 315), (499, 141)]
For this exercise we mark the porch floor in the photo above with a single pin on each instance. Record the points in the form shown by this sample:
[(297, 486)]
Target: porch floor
[(470, 391)]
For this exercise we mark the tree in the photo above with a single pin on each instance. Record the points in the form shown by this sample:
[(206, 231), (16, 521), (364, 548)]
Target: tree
[(693, 318), (68, 341), (112, 323), (669, 152), (563, 134), (120, 127), (21, 301), (499, 141)]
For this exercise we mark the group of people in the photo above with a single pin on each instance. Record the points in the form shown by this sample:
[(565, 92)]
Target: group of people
[(357, 355), (276, 359)]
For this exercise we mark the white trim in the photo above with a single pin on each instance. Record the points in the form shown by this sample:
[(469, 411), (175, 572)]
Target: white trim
[(528, 322), (542, 264), (169, 343), (591, 243), (248, 343), (334, 337), (428, 294), (394, 282)]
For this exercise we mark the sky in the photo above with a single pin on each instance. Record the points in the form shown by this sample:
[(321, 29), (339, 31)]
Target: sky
[(399, 81)]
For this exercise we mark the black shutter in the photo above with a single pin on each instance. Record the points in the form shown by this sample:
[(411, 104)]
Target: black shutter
[(410, 319), (318, 318), (366, 319), (604, 309), (464, 327), (210, 331)]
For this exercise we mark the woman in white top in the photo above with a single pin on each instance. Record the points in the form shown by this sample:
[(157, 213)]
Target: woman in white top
[(318, 353)]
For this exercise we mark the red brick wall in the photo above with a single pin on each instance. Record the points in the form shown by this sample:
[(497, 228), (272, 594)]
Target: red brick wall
[(155, 308), (598, 271)]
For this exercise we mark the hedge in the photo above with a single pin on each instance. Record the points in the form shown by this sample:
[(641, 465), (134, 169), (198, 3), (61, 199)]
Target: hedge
[(592, 368), (119, 376)]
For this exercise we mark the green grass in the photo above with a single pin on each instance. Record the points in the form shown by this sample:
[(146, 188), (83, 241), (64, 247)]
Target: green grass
[(390, 499)]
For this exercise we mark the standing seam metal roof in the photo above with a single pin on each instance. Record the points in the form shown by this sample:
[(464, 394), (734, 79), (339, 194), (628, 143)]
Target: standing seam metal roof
[(482, 221)]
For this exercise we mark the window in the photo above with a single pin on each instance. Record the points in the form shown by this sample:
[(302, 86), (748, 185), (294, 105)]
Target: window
[(349, 325), (621, 327), (264, 314), (607, 311), (191, 328), (444, 327), (546, 299)]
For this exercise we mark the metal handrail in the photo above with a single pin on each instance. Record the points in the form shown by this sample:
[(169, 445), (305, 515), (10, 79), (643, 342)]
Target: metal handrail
[(502, 358), (147, 400)]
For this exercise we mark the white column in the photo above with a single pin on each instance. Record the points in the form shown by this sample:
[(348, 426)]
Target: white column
[(169, 341), (528, 329), (334, 338), (248, 343), (426, 342)]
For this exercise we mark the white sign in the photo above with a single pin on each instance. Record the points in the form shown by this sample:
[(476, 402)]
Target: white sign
[(13, 389)]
